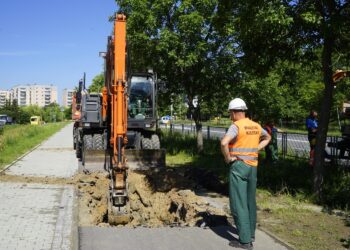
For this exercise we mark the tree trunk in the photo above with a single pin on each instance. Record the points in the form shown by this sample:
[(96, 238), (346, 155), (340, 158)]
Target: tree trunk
[(198, 121), (324, 115), (199, 138)]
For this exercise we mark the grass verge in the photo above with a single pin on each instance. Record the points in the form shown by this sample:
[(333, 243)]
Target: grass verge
[(15, 140), (300, 223), (284, 196)]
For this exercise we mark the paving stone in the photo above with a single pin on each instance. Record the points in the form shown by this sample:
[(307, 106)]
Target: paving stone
[(31, 217)]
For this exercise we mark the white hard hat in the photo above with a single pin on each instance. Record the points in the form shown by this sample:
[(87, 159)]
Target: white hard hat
[(237, 104)]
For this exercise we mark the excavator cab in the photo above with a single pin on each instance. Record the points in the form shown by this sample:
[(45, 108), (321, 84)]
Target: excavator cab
[(141, 98)]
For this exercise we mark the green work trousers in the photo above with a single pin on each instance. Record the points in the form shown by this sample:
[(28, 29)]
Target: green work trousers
[(271, 151), (242, 185)]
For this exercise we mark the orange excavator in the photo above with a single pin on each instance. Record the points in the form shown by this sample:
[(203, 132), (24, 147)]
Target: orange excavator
[(116, 130), (114, 112)]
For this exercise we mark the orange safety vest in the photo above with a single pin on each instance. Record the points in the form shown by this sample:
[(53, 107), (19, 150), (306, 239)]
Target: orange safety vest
[(245, 146)]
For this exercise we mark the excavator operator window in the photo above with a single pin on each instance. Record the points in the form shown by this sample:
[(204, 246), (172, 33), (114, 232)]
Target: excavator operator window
[(140, 98)]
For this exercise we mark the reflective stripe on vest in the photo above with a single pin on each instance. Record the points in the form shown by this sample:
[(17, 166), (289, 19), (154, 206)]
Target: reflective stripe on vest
[(245, 147)]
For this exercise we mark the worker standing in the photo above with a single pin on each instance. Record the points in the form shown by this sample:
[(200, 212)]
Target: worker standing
[(312, 126), (240, 148), (271, 150)]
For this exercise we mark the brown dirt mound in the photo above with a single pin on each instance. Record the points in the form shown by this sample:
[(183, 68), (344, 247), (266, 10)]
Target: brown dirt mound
[(154, 200)]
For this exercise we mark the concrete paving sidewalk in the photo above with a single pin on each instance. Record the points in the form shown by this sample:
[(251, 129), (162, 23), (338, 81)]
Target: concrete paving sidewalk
[(166, 238), (54, 158), (39, 216)]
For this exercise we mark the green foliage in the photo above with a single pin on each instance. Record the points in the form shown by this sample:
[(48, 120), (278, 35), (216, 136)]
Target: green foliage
[(18, 114), (188, 43), (52, 113), (291, 175), (97, 83), (68, 112), (21, 115), (336, 189)]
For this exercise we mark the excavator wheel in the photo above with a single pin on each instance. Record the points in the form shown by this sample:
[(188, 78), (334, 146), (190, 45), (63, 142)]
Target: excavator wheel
[(97, 142), (146, 143), (87, 145), (155, 142), (78, 149)]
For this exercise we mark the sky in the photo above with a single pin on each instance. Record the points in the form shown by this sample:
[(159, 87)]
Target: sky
[(52, 41)]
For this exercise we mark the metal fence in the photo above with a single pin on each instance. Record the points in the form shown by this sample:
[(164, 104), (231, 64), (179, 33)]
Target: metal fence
[(289, 144)]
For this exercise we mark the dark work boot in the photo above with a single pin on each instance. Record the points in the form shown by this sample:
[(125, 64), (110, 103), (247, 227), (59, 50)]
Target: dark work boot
[(237, 244)]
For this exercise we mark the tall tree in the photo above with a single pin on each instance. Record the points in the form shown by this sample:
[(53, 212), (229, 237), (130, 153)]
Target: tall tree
[(97, 83), (189, 43), (296, 30)]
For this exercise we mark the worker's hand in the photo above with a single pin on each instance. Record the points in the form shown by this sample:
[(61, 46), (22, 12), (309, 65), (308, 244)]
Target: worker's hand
[(230, 159)]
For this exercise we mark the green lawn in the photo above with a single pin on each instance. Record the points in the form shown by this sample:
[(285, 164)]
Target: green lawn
[(15, 140)]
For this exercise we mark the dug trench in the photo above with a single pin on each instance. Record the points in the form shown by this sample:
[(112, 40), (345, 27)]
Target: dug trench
[(165, 197)]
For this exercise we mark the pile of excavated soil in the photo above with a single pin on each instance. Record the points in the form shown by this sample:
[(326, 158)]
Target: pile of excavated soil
[(92, 196), (155, 199)]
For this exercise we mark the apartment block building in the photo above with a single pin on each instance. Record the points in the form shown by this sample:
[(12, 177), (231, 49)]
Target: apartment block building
[(4, 96), (34, 94), (67, 97)]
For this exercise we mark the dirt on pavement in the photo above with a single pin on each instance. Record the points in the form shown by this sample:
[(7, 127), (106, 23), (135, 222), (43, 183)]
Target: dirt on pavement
[(156, 198)]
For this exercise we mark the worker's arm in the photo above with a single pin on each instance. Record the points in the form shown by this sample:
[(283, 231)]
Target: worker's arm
[(229, 136), (264, 139)]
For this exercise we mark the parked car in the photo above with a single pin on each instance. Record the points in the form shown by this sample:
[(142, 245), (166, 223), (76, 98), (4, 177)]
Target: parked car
[(5, 119), (36, 120), (165, 119)]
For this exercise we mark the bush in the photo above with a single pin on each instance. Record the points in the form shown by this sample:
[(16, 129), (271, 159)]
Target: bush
[(336, 188)]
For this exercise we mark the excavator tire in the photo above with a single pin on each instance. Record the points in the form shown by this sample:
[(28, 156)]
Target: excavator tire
[(87, 145), (78, 149), (146, 143), (155, 142), (78, 152), (88, 142), (98, 142), (74, 138)]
